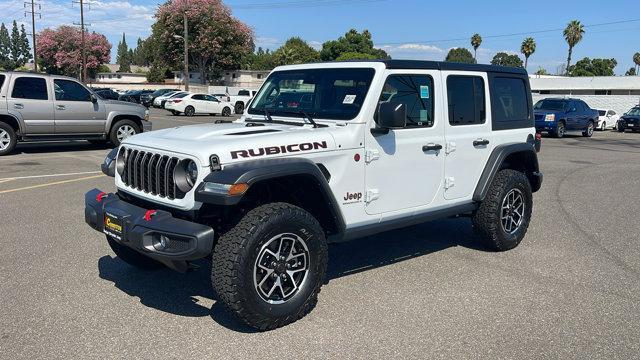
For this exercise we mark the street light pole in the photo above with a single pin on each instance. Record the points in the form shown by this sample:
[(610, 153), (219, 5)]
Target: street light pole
[(186, 53)]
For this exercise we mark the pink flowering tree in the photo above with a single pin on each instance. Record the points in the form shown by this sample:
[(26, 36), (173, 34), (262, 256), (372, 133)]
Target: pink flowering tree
[(217, 40), (60, 50)]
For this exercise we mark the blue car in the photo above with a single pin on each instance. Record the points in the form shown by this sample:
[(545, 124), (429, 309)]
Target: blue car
[(558, 116)]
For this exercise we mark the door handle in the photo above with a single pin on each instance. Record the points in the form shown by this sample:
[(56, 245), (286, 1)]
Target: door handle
[(18, 106), (480, 142), (60, 107), (432, 147)]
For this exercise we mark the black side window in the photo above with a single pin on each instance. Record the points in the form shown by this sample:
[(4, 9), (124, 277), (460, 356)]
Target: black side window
[(511, 99), (30, 88), (67, 90), (244, 93), (416, 93), (1, 80), (466, 100), (197, 97)]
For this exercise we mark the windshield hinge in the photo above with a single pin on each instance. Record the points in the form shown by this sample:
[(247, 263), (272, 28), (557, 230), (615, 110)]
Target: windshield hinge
[(371, 194), (450, 147)]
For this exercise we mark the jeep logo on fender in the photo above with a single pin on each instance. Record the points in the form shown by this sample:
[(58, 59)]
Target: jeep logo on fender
[(274, 150)]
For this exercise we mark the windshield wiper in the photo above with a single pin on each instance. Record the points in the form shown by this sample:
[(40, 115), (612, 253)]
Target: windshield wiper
[(304, 116), (266, 114)]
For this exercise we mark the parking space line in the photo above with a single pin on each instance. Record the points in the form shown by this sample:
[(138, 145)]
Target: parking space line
[(50, 184), (48, 175)]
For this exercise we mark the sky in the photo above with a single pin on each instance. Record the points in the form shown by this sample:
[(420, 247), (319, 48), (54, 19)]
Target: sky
[(406, 29)]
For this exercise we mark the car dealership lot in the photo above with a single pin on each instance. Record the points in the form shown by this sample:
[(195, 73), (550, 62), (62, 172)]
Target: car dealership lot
[(571, 289)]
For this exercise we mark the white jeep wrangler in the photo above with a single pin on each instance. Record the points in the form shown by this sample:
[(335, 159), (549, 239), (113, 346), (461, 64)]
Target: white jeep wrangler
[(325, 153)]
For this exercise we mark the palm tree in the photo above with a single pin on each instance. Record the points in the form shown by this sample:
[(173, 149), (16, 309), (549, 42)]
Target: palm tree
[(476, 40), (573, 34), (527, 48), (636, 60)]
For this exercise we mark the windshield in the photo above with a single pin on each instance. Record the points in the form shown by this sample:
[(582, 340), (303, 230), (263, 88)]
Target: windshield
[(335, 94), (634, 112), (549, 104), (602, 113)]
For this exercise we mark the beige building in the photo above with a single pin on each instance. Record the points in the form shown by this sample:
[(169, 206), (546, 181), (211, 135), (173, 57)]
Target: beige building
[(121, 78), (249, 79)]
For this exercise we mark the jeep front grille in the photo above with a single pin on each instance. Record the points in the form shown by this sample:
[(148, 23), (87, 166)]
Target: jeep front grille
[(151, 173)]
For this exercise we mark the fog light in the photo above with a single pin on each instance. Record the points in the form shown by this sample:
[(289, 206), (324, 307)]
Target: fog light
[(160, 243)]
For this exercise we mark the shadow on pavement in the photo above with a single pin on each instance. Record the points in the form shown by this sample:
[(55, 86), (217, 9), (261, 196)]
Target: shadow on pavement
[(58, 147), (175, 293)]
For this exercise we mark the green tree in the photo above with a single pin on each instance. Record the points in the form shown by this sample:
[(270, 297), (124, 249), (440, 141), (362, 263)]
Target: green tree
[(260, 60), (636, 60), (541, 71), (573, 35), (460, 55), (630, 72), (527, 49), (15, 47), (504, 59), (122, 57), (351, 42), (295, 51), (157, 72), (355, 56), (25, 48), (5, 48), (476, 40), (593, 67)]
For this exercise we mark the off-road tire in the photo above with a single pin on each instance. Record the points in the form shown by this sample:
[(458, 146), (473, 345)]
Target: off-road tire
[(486, 220), (558, 132), (588, 132), (13, 138), (133, 257), (234, 258), (113, 134), (226, 111), (239, 107)]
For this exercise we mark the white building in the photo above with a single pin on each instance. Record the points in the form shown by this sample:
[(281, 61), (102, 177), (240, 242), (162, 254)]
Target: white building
[(249, 79), (194, 77), (619, 93), (121, 78)]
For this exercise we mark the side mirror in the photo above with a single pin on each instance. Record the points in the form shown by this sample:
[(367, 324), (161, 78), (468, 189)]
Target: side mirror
[(572, 110), (94, 99), (392, 115)]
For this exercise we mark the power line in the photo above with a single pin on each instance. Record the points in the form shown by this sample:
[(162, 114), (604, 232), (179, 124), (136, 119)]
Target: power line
[(298, 4), (33, 29), (83, 46)]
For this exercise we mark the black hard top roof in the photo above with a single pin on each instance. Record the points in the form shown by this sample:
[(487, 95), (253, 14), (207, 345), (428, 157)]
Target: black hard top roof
[(441, 65)]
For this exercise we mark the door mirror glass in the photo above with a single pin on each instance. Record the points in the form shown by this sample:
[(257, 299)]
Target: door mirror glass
[(94, 99), (392, 115)]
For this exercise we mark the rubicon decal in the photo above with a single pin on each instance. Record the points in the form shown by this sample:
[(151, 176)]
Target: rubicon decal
[(282, 149)]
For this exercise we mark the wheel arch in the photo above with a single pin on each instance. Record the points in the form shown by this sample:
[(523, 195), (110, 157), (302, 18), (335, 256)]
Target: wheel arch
[(114, 118), (13, 122), (297, 181), (517, 156)]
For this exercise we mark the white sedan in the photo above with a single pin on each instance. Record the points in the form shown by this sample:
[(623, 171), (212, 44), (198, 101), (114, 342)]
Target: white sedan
[(192, 104), (607, 119)]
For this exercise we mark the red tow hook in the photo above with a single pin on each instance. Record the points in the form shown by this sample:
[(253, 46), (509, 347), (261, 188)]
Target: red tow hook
[(100, 196), (149, 214)]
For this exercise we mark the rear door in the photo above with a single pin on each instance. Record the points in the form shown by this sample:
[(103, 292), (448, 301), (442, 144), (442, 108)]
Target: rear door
[(469, 139), (75, 113), (29, 96)]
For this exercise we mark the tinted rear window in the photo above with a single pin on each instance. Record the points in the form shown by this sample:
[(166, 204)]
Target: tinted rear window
[(602, 112), (244, 93), (511, 99), (466, 100), (1, 80), (30, 88)]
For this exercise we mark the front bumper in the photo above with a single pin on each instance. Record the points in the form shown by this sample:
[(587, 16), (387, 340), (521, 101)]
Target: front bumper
[(141, 230), (146, 126), (546, 126)]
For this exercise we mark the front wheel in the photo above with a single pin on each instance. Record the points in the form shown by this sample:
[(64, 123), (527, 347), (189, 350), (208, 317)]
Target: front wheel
[(269, 268), (559, 131), (620, 128), (122, 130), (588, 132), (503, 216)]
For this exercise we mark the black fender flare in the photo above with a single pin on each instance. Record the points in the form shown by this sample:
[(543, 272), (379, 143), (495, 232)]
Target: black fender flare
[(251, 172), (494, 164)]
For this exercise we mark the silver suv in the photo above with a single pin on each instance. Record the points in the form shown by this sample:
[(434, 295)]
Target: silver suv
[(37, 107)]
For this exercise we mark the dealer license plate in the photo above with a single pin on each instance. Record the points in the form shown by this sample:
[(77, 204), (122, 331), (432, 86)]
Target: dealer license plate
[(113, 225)]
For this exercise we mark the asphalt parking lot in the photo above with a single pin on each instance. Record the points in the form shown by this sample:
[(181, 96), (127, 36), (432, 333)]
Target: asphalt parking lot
[(570, 290)]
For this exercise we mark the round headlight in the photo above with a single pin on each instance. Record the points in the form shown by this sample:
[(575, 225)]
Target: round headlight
[(121, 160), (185, 175)]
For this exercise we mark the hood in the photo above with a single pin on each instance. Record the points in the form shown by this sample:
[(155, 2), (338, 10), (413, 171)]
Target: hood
[(112, 105), (630, 117), (235, 142)]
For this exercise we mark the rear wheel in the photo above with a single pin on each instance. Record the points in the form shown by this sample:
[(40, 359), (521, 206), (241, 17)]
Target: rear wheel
[(226, 111), (122, 130), (189, 111), (503, 217), (8, 139), (588, 132), (269, 268), (132, 257)]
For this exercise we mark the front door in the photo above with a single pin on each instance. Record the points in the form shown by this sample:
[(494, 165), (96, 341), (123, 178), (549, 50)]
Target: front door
[(405, 166), (468, 133), (30, 98), (213, 105), (75, 113)]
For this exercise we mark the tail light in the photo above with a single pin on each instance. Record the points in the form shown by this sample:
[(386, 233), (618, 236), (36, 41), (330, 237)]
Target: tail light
[(177, 101), (538, 143)]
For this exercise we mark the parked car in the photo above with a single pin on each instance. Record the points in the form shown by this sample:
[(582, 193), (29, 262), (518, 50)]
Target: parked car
[(222, 97), (607, 119), (107, 94), (134, 95), (241, 100), (557, 116), (37, 107), (160, 100), (630, 120), (192, 104), (147, 99)]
